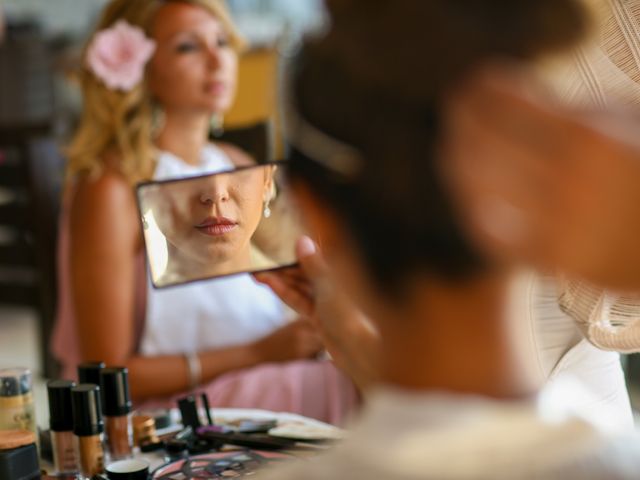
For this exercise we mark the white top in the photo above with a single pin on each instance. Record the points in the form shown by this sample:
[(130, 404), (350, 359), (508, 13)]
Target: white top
[(406, 435), (560, 352), (210, 314)]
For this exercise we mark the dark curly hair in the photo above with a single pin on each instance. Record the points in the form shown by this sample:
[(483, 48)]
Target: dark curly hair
[(375, 82)]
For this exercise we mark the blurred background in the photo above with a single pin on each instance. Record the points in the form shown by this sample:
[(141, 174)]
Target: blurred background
[(39, 107)]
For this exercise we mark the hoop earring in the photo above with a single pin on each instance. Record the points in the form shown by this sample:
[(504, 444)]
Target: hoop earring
[(216, 125)]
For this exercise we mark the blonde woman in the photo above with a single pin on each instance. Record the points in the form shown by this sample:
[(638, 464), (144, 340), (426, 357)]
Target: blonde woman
[(154, 75)]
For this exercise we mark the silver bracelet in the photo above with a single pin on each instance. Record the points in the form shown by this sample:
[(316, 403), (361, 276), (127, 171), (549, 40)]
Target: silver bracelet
[(194, 368)]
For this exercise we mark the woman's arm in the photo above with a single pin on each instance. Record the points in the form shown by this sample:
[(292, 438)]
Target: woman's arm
[(105, 240)]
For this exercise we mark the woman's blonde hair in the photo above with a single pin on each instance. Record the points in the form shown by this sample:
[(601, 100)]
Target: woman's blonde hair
[(123, 121)]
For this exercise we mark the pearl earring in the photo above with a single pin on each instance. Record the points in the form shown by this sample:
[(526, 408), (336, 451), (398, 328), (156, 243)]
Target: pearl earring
[(266, 211)]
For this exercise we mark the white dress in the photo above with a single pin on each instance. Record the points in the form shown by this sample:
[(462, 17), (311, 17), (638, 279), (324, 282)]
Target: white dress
[(210, 314)]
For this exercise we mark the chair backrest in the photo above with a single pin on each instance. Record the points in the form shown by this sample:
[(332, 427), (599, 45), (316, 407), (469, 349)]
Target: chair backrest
[(256, 140)]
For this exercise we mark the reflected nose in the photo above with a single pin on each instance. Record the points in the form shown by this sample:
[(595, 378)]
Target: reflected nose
[(215, 192)]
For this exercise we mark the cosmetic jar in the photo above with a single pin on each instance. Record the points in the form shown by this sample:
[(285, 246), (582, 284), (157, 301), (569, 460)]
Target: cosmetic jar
[(116, 405), (18, 455), (128, 470), (16, 400), (65, 454), (88, 428)]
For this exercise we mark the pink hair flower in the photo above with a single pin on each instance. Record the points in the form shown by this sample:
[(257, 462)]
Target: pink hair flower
[(118, 55)]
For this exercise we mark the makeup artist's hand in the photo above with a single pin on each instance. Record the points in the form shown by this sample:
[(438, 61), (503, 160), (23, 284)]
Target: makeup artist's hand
[(348, 335), (540, 184)]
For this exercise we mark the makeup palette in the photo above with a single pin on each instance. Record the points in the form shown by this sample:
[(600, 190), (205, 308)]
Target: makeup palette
[(218, 465)]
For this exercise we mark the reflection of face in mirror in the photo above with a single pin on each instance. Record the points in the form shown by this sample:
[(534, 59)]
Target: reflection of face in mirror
[(204, 227)]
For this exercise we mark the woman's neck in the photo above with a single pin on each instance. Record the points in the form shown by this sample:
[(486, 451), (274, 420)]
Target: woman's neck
[(458, 339), (184, 134)]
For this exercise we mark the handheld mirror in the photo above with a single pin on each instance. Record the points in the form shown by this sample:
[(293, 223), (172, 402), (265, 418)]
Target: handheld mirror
[(219, 224)]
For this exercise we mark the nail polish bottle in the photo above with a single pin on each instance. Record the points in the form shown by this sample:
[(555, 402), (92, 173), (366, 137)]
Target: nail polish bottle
[(88, 428), (117, 412), (65, 454)]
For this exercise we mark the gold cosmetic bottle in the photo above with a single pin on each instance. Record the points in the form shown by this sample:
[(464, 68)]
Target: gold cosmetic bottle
[(88, 428), (16, 400), (65, 454), (116, 405)]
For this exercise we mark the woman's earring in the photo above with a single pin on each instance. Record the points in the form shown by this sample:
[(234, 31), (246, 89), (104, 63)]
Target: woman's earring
[(145, 225), (266, 211), (158, 119), (217, 125)]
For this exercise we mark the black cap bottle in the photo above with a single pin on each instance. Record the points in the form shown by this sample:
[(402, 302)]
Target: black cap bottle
[(88, 427), (65, 457), (89, 372), (117, 409)]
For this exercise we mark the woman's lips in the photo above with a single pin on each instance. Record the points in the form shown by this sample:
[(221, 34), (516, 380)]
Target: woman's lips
[(215, 87), (216, 226)]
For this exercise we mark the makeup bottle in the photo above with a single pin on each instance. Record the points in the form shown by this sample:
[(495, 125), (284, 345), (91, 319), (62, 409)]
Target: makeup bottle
[(88, 427), (16, 400), (89, 372), (117, 412), (65, 454)]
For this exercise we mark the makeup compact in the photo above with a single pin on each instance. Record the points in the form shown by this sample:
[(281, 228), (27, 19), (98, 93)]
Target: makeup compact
[(18, 455), (131, 469)]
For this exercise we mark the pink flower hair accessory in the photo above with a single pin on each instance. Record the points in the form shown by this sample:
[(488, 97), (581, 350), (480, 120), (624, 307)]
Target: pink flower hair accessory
[(117, 55)]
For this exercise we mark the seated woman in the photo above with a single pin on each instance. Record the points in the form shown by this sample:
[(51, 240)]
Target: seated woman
[(154, 74), (456, 399)]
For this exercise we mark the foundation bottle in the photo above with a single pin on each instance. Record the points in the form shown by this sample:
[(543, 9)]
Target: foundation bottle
[(88, 428), (65, 454), (116, 405), (89, 372), (16, 400)]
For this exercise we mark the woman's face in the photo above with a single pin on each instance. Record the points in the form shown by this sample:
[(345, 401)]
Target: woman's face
[(194, 66), (211, 220)]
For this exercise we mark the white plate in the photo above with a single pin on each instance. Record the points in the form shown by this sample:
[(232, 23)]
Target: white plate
[(290, 425), (298, 430)]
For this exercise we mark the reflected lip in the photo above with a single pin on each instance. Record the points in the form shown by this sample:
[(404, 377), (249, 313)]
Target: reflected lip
[(216, 226)]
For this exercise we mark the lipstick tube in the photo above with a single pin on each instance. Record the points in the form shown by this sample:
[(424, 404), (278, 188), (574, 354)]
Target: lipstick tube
[(88, 428), (116, 402), (65, 454)]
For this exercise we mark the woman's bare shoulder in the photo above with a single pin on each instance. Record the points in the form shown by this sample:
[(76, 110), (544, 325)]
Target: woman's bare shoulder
[(106, 200)]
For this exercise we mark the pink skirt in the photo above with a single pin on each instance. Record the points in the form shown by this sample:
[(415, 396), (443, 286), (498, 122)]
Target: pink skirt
[(313, 388)]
